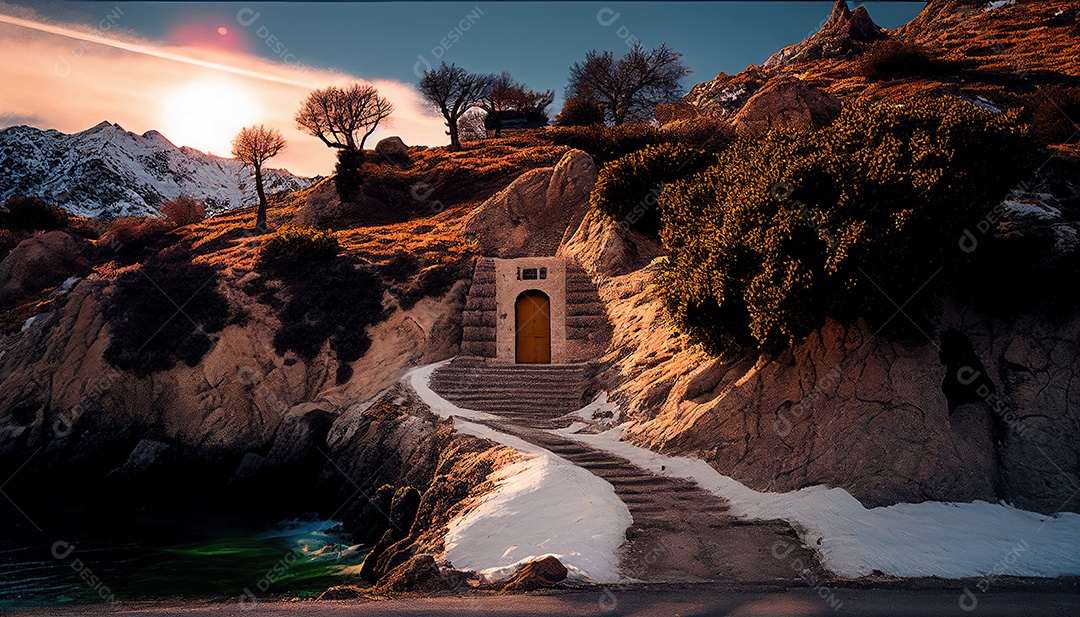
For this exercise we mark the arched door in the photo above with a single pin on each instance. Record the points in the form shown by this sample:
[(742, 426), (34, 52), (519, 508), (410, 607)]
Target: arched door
[(533, 326)]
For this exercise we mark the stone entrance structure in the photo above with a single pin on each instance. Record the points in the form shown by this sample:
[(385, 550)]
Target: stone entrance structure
[(533, 310)]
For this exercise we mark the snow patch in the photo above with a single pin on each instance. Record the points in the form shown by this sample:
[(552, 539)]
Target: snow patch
[(542, 505), (600, 409), (948, 540), (997, 4), (1017, 210)]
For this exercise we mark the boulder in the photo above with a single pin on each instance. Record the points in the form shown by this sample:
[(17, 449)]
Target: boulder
[(419, 574), (724, 95), (147, 457), (299, 436), (394, 150), (539, 574), (604, 249), (537, 212), (39, 263), (324, 208), (789, 104)]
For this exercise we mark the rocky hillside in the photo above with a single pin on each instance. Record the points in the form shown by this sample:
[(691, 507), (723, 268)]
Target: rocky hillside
[(996, 54), (205, 366), (105, 172)]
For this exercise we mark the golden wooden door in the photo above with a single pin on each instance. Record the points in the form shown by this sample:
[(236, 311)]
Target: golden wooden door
[(533, 326)]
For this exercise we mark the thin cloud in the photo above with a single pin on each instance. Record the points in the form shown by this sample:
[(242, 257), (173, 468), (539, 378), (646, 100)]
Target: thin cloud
[(73, 77)]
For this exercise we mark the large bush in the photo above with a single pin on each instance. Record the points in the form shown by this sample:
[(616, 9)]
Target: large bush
[(628, 189), (164, 312), (889, 59), (32, 214), (578, 111), (791, 228), (605, 143), (184, 210), (131, 239), (292, 243)]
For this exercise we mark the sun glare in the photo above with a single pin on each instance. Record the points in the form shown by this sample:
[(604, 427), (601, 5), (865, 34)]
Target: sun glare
[(205, 114)]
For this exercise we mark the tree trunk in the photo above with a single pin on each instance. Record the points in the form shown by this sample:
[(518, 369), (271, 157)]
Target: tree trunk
[(260, 219), (455, 145)]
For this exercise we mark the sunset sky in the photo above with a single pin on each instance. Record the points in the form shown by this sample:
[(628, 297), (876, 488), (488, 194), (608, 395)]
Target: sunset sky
[(198, 72)]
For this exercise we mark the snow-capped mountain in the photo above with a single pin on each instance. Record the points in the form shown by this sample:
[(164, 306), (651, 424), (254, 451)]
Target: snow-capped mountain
[(105, 172)]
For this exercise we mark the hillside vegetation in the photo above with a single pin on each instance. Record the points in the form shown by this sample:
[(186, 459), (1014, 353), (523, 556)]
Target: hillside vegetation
[(791, 228)]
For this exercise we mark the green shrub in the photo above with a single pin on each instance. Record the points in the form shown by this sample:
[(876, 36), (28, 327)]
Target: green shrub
[(333, 301), (32, 214), (578, 111), (889, 59), (148, 330), (434, 281), (401, 266), (319, 298), (605, 143), (791, 228), (291, 243), (628, 189), (712, 134)]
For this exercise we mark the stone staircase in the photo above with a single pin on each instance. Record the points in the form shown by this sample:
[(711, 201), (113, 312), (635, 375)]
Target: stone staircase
[(480, 315), (531, 395), (680, 532), (587, 326)]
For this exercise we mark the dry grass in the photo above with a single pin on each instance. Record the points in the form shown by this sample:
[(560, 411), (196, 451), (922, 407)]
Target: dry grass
[(999, 55)]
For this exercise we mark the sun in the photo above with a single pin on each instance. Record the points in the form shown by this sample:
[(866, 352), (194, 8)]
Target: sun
[(207, 113)]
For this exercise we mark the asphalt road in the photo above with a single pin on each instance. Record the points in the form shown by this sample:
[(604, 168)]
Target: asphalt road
[(674, 601)]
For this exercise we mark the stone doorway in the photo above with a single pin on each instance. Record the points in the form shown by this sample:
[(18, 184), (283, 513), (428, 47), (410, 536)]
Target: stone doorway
[(532, 323)]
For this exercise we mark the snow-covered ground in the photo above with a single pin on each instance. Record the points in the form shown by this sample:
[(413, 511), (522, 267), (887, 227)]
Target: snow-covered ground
[(542, 505), (105, 171), (949, 540), (545, 505)]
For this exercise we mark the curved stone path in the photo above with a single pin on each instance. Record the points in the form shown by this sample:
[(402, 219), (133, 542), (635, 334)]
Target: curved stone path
[(680, 531)]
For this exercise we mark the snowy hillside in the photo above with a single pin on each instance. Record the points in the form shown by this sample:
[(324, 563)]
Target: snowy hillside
[(105, 171)]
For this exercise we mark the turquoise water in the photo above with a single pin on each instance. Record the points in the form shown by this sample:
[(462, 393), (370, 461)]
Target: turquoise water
[(293, 558)]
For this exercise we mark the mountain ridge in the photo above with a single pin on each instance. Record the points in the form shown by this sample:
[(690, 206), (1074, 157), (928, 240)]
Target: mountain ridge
[(106, 171)]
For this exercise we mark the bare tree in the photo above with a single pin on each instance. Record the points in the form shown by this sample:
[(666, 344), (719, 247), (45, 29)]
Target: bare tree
[(534, 105), (505, 97), (452, 90), (344, 118), (254, 146), (628, 88)]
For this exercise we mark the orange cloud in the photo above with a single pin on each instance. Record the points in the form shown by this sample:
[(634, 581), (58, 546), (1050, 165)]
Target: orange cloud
[(71, 77)]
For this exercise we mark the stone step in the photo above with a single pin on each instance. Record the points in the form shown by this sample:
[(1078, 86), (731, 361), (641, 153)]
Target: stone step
[(545, 407), (515, 373)]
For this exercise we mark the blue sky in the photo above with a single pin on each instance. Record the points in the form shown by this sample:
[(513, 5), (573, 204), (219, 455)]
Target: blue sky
[(535, 41), (198, 72)]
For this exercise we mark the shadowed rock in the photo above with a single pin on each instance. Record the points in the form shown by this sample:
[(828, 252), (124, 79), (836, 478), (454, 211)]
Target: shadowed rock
[(787, 104), (539, 574)]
